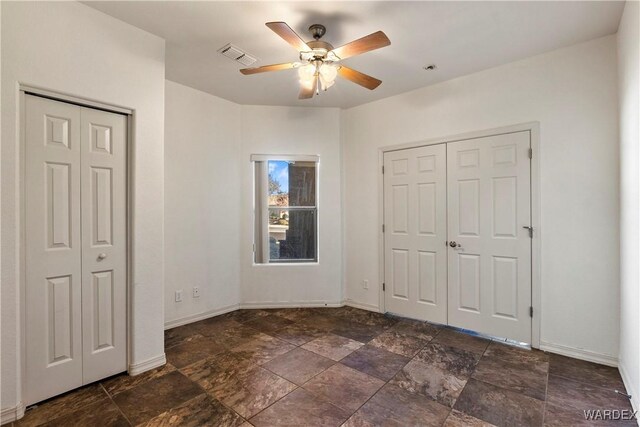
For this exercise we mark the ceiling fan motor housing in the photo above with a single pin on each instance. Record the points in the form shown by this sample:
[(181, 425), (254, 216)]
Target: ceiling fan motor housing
[(319, 47)]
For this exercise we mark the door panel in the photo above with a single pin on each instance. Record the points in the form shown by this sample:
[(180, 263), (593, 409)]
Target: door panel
[(400, 201), (102, 189), (60, 310), (400, 276), (52, 249), (415, 218), (427, 209), (104, 243), (427, 277), (488, 181)]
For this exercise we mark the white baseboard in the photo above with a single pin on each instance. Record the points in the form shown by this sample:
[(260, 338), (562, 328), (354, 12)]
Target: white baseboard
[(290, 304), (631, 388), (147, 365), (252, 305), (200, 316), (9, 415), (362, 306), (578, 353)]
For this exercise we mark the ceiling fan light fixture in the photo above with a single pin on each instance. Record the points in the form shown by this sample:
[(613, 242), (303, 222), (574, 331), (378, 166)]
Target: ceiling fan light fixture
[(329, 72), (307, 72), (307, 84), (324, 83)]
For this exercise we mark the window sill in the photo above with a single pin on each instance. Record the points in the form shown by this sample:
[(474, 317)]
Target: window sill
[(286, 264)]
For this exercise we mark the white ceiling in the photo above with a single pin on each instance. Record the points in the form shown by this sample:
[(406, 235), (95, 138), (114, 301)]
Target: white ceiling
[(460, 37)]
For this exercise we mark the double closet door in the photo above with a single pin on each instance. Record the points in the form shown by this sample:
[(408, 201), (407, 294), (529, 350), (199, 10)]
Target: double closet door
[(457, 249), (75, 246)]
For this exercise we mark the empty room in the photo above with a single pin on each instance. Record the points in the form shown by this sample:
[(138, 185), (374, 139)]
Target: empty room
[(329, 213)]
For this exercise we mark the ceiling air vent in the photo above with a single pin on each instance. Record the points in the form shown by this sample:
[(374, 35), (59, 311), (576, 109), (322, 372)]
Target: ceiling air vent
[(233, 52)]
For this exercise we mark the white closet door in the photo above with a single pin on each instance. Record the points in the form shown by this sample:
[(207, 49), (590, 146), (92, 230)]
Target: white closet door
[(53, 314), (415, 233), (104, 243), (488, 182), (75, 246)]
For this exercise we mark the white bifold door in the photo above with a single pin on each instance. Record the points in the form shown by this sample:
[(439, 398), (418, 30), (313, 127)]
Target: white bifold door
[(457, 243), (75, 246)]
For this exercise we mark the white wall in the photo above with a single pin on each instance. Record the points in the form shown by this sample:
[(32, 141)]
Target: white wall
[(202, 203), (629, 92), (572, 92), (209, 204), (71, 48), (294, 130)]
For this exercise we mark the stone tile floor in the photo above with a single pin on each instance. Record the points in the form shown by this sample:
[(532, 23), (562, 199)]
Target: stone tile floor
[(339, 366)]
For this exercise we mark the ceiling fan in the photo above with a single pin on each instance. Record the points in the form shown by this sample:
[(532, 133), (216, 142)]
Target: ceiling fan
[(319, 61)]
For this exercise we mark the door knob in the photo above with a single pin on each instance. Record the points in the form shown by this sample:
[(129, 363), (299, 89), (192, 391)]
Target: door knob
[(102, 256), (454, 244)]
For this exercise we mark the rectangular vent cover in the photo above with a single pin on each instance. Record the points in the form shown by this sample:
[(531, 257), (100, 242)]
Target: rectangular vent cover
[(233, 52)]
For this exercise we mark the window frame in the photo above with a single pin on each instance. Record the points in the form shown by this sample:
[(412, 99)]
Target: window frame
[(261, 210)]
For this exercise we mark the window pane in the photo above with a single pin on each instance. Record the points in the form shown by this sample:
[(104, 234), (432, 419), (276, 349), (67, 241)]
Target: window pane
[(292, 183), (292, 235)]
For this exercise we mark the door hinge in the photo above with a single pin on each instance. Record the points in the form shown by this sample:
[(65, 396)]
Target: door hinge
[(384, 287), (531, 153), (382, 169), (383, 228), (530, 311), (530, 228)]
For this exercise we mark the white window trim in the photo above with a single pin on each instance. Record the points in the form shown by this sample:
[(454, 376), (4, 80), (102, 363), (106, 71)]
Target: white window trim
[(285, 157), (260, 221)]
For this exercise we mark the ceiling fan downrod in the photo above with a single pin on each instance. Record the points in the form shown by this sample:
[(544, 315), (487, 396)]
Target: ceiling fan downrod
[(317, 31)]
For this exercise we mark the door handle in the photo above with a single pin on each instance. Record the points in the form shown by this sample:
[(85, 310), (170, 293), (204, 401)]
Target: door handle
[(101, 256), (454, 244)]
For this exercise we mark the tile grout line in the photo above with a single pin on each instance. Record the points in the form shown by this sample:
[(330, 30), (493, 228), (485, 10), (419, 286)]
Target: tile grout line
[(579, 381), (276, 401), (302, 386), (204, 391), (546, 395), (269, 370), (465, 384), (389, 380), (38, 404), (208, 358), (296, 385), (116, 405)]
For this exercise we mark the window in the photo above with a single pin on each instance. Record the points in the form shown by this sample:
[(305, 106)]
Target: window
[(286, 212)]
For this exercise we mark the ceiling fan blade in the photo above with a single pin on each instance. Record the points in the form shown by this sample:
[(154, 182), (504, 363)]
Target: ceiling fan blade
[(365, 44), (265, 68), (290, 36), (307, 92), (359, 78)]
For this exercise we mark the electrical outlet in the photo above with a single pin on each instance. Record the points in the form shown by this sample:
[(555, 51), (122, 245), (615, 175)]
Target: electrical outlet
[(196, 292), (179, 296), (365, 284)]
